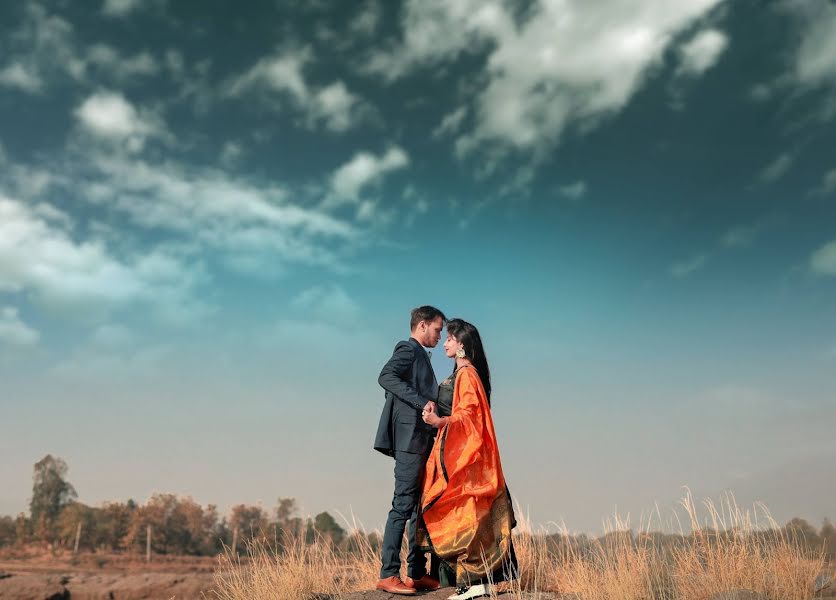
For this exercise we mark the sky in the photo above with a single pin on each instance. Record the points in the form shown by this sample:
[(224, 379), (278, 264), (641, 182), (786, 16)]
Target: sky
[(215, 219)]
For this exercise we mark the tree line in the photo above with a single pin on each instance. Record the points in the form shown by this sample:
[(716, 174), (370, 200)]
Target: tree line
[(178, 525), (181, 526)]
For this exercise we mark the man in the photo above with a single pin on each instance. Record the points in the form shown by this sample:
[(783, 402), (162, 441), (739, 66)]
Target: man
[(410, 385)]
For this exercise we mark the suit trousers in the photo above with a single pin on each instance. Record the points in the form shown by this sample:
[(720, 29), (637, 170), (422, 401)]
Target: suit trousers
[(409, 479)]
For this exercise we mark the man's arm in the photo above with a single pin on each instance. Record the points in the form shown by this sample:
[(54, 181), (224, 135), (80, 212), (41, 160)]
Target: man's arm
[(394, 376)]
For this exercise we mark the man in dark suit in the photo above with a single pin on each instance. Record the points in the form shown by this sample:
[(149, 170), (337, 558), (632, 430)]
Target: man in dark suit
[(410, 385)]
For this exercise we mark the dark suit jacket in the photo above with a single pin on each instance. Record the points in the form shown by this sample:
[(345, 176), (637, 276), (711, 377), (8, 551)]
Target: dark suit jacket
[(410, 383)]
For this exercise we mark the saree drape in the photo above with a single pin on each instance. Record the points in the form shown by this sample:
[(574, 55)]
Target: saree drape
[(467, 515)]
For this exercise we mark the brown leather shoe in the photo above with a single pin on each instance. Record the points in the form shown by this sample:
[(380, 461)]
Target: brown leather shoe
[(424, 584), (394, 585)]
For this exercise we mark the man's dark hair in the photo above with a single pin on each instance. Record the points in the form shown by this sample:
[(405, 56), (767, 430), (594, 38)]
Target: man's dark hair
[(425, 313)]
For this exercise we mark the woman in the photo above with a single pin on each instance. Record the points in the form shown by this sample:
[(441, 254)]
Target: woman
[(467, 515)]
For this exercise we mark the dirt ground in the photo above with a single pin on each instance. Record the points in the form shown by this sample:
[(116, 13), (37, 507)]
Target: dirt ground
[(93, 576)]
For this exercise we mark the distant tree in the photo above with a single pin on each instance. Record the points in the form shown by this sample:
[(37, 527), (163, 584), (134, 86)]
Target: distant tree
[(73, 515), (22, 528), (50, 493), (113, 520), (7, 531), (828, 538), (801, 530), (178, 526), (327, 526), (250, 521), (287, 521)]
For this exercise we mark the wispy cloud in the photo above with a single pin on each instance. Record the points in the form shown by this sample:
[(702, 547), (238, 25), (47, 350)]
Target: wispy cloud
[(120, 8), (823, 259), (14, 331), (362, 171), (777, 168), (39, 256), (682, 269), (125, 69), (701, 52), (815, 62), (327, 303), (21, 76), (574, 191), (828, 182), (565, 64), (41, 50), (451, 123), (253, 227), (280, 80), (743, 235)]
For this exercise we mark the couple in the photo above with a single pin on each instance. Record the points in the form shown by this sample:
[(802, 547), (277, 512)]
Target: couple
[(449, 484)]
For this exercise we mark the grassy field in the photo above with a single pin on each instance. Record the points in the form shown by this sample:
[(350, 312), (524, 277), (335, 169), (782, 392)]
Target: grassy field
[(724, 549)]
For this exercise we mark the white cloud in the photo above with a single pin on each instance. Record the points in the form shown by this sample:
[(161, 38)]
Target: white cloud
[(14, 331), (39, 256), (568, 63), (823, 260), (111, 62), (828, 182), (681, 270), (257, 230), (20, 76), (42, 49), (280, 78), (366, 22), (574, 191), (120, 8), (701, 52), (776, 169), (815, 62), (363, 170), (327, 303), (335, 106), (108, 115), (450, 123), (741, 236), (112, 335)]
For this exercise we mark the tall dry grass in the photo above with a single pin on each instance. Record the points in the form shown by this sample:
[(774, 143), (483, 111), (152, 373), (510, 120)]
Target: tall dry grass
[(724, 549), (740, 549)]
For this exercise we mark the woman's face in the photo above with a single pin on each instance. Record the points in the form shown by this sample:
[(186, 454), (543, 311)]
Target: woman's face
[(451, 344)]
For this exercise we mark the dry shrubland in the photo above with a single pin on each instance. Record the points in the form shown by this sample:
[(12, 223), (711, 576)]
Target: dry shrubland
[(725, 548)]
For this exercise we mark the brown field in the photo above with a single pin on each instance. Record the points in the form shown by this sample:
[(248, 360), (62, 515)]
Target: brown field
[(727, 551), (37, 574)]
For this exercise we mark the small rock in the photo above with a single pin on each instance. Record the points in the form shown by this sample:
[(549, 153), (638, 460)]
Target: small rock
[(822, 582)]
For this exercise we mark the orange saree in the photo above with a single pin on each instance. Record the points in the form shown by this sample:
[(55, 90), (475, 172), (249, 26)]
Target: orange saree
[(466, 509)]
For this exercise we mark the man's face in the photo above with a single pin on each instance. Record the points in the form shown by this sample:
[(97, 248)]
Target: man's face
[(430, 332)]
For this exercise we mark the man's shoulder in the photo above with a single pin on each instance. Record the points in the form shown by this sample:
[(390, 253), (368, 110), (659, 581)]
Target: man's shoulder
[(404, 348), (410, 343)]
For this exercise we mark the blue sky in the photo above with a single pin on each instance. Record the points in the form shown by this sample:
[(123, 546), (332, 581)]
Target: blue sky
[(214, 222)]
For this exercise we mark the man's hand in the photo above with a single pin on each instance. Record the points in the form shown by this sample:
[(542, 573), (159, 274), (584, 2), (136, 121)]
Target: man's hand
[(428, 408)]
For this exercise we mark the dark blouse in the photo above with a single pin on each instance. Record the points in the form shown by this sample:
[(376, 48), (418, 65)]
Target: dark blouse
[(445, 396)]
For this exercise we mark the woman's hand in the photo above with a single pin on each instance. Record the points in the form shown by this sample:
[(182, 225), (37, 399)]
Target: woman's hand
[(430, 417)]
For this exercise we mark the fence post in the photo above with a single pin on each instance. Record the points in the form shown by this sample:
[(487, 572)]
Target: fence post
[(77, 538)]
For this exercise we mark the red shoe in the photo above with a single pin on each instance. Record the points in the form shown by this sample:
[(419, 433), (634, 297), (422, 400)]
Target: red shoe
[(424, 584), (394, 585)]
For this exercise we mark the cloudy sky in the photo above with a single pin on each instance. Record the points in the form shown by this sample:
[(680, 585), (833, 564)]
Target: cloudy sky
[(214, 221)]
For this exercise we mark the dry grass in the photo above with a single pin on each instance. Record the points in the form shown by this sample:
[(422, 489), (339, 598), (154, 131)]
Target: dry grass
[(742, 550), (733, 549)]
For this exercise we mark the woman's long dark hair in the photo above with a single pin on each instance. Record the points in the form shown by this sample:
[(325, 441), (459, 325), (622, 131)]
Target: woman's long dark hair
[(468, 336)]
